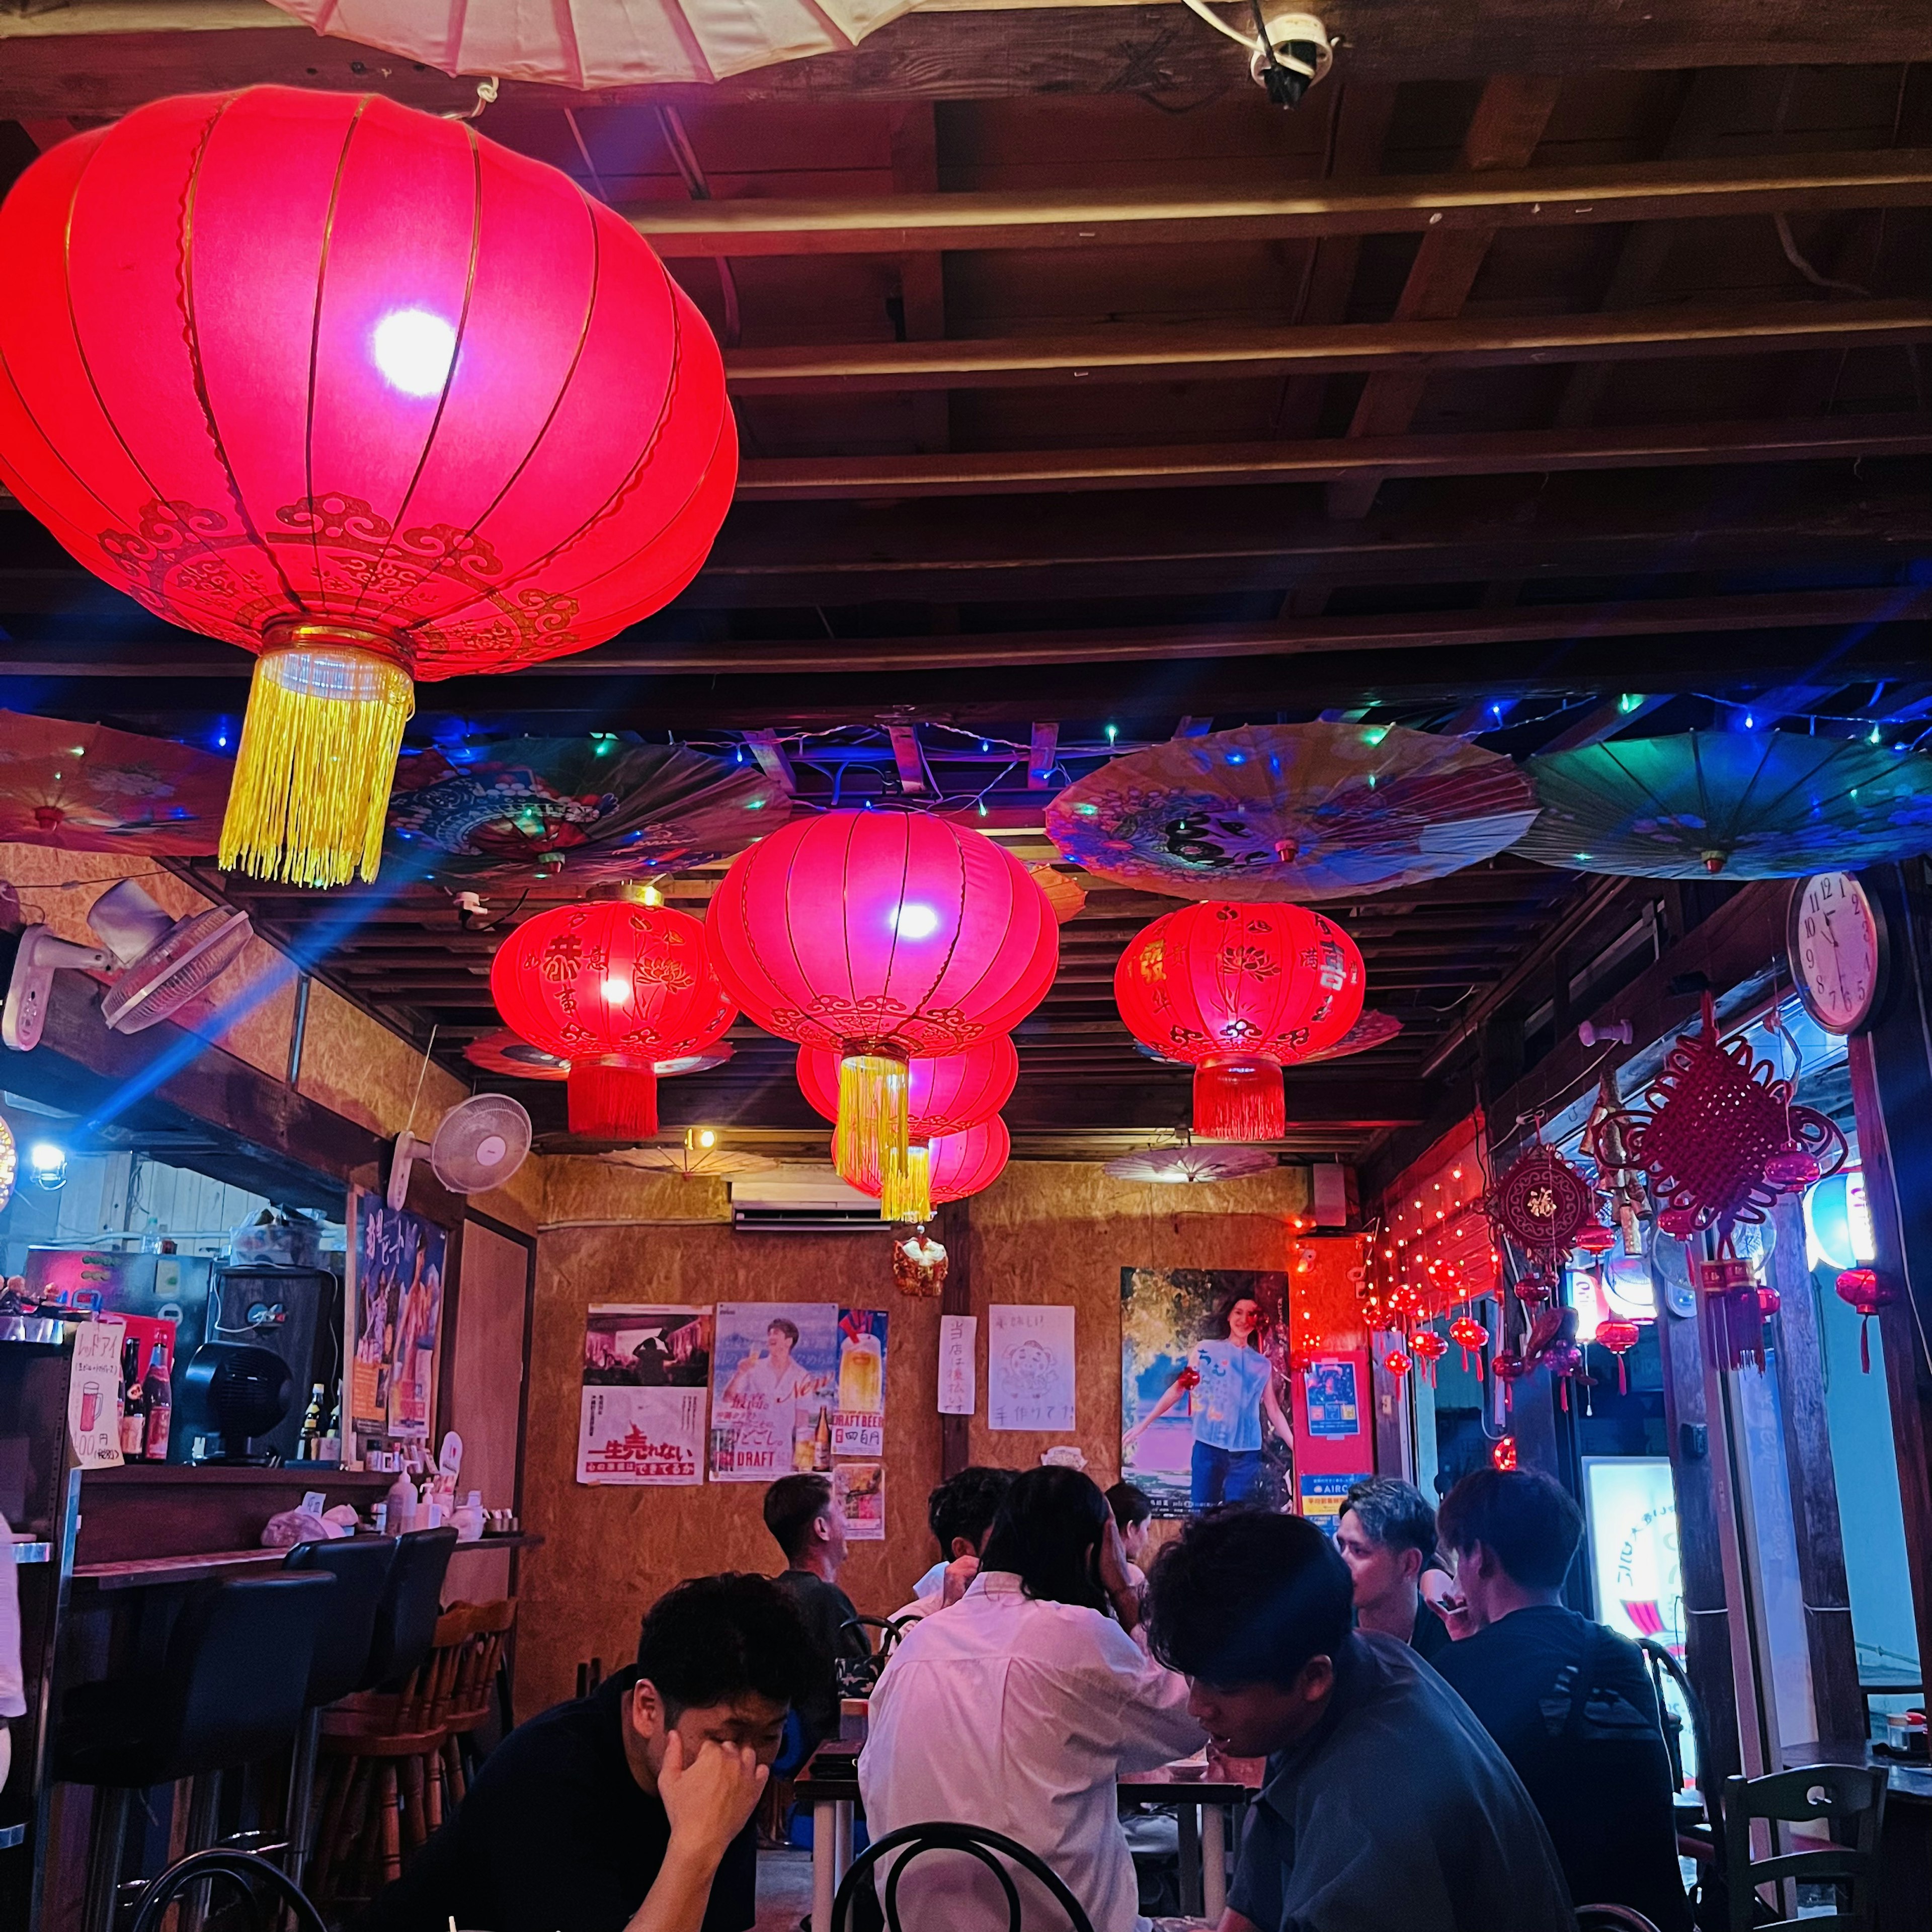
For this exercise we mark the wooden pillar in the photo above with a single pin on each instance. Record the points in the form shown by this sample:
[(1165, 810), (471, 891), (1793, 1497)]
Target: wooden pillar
[(1891, 1093), (1696, 1445), (1813, 1484), (953, 1227)]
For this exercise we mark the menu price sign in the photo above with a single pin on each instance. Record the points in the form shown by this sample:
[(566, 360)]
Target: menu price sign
[(93, 1394)]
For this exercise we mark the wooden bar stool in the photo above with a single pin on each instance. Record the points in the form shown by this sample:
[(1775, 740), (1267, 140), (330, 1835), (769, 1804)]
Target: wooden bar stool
[(472, 1698)]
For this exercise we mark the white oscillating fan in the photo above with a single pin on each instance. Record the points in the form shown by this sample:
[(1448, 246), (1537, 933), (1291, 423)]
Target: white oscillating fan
[(480, 1142)]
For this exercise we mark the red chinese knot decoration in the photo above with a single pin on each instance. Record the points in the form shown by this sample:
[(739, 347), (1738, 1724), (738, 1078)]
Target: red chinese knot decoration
[(881, 936), (357, 389), (1236, 991), (613, 988), (1715, 1133), (1868, 1291)]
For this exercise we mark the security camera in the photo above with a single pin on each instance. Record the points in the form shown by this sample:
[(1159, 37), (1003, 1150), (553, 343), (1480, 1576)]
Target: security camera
[(1287, 53)]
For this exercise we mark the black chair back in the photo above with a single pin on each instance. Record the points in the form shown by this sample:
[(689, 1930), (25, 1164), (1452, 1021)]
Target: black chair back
[(361, 1566), (1848, 1798), (246, 1870), (1663, 1664), (990, 1848), (1611, 1918), (237, 1671), (412, 1601)]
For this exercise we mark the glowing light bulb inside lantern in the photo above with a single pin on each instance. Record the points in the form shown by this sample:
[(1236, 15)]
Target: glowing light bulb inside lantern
[(414, 349), (617, 991), (915, 922)]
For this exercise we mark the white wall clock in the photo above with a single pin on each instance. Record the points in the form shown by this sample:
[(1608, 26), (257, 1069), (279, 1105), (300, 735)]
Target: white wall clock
[(1835, 941)]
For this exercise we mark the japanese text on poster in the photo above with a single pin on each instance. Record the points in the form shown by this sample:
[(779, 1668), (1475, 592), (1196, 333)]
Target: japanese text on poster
[(646, 1375), (399, 1314), (958, 1385), (859, 1422), (93, 1394), (774, 1381), (1030, 1368)]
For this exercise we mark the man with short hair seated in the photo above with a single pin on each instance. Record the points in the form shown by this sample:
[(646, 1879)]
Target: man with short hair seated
[(959, 1513), (1386, 1535), (807, 1523), (1570, 1702), (628, 1811), (1387, 1808)]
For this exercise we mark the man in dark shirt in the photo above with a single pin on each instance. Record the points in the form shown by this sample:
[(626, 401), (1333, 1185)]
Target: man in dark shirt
[(1569, 1701), (628, 1811), (1386, 1535), (1387, 1808), (806, 1522)]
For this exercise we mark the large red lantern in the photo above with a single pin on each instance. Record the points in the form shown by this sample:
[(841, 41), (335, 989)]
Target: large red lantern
[(355, 388), (948, 1167), (613, 987), (1235, 990), (881, 936), (945, 1096)]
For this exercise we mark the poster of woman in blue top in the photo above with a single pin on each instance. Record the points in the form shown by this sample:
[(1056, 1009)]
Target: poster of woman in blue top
[(1216, 1325)]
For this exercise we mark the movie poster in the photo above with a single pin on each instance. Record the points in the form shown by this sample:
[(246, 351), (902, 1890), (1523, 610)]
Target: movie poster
[(774, 1388), (859, 1422), (1205, 1411), (646, 1379), (399, 1318)]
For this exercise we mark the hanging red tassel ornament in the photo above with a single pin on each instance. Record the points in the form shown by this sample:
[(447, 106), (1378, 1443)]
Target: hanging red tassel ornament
[(1509, 1368), (1472, 1338), (1397, 1363), (948, 1167), (1868, 1291), (1428, 1348), (1620, 1338), (1235, 992), (612, 987), (881, 936)]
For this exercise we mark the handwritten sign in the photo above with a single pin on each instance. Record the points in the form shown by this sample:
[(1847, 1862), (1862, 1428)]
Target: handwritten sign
[(958, 1381), (93, 1394), (1030, 1368)]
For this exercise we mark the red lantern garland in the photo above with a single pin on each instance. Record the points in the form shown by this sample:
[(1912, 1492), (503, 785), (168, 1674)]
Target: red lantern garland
[(357, 389), (1397, 1363), (947, 1168), (612, 987), (881, 936), (1472, 1338), (1235, 990), (1868, 1291), (1428, 1348), (1619, 1337)]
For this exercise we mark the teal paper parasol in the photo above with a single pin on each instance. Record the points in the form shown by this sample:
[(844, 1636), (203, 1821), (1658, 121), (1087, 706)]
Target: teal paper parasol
[(1735, 805), (589, 809), (1302, 812)]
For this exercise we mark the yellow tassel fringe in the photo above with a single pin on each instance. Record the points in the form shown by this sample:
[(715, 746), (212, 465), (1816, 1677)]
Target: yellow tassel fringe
[(318, 745), (872, 1115), (907, 1196)]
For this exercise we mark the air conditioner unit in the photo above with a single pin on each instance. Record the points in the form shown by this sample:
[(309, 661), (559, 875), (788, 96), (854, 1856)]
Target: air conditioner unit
[(800, 1199)]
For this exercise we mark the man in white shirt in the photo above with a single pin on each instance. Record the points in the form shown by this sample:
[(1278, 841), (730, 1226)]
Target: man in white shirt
[(1019, 1709), (960, 1514)]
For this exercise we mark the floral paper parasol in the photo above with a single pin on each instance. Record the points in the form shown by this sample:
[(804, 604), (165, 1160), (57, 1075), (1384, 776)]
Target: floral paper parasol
[(1740, 804), (87, 788), (691, 1163), (590, 808), (1186, 1164), (1292, 811), (508, 1054)]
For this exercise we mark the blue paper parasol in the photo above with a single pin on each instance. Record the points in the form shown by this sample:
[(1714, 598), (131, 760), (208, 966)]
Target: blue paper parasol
[(1736, 804)]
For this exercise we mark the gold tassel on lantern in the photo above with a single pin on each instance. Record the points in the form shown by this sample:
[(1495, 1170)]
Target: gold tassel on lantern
[(873, 1120), (908, 1193), (325, 723)]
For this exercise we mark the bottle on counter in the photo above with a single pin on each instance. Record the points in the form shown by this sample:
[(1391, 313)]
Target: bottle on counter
[(311, 1428), (401, 1499), (157, 1388), (133, 1404)]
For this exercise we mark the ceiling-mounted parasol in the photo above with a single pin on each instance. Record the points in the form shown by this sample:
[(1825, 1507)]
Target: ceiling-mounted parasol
[(1735, 805), (87, 788), (587, 809), (1189, 1164), (587, 44), (508, 1054), (691, 1163), (1292, 811), (1371, 1030)]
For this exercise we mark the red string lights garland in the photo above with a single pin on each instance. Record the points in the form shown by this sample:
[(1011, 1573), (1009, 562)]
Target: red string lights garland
[(358, 389), (1236, 991)]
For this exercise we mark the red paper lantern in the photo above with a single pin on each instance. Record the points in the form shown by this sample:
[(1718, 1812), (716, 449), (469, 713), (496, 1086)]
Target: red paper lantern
[(1472, 1338), (881, 936), (1503, 1455), (613, 987), (355, 388), (943, 1095), (1596, 1239), (1235, 992), (1619, 1337), (1868, 1291), (947, 1168), (1396, 1364), (1428, 1348), (1792, 1171)]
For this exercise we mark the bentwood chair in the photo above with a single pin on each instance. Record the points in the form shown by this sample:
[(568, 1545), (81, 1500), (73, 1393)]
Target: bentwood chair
[(992, 1850), (1849, 1798), (1663, 1665), (1611, 1918)]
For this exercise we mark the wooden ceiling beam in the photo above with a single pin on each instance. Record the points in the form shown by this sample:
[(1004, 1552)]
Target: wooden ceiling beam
[(1133, 352), (1323, 459), (1436, 206), (103, 57)]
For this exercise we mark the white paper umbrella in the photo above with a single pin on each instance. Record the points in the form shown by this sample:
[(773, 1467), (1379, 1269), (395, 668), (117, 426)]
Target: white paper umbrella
[(592, 43), (1183, 1164), (691, 1163)]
